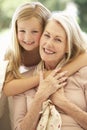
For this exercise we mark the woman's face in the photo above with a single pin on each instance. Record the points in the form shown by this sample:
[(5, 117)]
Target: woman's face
[(29, 33), (53, 44)]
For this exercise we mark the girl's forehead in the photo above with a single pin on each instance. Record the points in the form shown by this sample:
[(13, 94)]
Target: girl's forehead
[(32, 23)]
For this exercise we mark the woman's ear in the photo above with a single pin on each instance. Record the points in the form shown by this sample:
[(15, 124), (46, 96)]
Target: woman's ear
[(67, 50)]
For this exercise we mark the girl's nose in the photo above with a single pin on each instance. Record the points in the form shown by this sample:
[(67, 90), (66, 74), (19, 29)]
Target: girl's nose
[(28, 37)]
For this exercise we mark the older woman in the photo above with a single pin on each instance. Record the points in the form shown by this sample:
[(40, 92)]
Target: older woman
[(61, 42)]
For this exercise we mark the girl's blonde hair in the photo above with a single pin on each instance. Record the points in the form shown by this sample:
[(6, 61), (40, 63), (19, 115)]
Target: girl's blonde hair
[(14, 53), (75, 40)]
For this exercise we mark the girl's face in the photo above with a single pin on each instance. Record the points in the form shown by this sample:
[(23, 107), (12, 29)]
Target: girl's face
[(53, 44), (29, 33)]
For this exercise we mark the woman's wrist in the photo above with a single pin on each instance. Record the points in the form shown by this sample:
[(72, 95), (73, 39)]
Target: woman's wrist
[(40, 96)]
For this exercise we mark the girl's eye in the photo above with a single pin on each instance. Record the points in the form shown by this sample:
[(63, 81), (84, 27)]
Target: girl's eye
[(35, 31), (21, 30)]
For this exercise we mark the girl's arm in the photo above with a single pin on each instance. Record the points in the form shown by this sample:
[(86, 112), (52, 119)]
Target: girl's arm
[(17, 86), (21, 85), (76, 64)]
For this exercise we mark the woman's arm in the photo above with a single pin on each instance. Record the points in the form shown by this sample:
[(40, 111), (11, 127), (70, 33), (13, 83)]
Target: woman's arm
[(75, 112), (70, 108), (23, 119)]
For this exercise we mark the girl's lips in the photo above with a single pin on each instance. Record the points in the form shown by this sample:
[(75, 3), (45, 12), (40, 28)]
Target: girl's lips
[(29, 43)]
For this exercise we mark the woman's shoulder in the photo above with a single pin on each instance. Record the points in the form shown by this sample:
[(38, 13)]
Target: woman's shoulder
[(82, 73), (27, 71), (80, 77), (83, 70)]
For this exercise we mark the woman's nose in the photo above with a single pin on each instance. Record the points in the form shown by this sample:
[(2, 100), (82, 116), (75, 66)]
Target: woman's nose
[(49, 42)]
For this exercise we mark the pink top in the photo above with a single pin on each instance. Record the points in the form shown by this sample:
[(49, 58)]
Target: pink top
[(76, 91)]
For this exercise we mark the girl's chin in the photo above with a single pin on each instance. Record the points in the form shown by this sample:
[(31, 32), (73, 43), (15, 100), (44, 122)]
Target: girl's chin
[(29, 49)]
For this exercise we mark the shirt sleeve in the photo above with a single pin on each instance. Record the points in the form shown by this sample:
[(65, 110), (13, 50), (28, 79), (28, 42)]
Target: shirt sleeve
[(20, 109), (83, 81), (85, 85)]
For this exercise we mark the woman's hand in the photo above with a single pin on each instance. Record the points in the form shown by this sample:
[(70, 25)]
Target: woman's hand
[(51, 83), (58, 97)]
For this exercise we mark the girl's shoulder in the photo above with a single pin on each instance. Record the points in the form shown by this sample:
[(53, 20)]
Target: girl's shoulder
[(27, 71)]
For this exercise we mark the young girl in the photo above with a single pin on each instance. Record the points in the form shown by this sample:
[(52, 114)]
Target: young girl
[(27, 26)]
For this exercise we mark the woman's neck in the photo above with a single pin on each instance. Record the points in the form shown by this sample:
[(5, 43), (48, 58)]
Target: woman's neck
[(49, 66), (53, 65)]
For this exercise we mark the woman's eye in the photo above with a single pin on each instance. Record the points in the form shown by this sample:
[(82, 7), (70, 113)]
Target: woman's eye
[(58, 40), (46, 35)]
